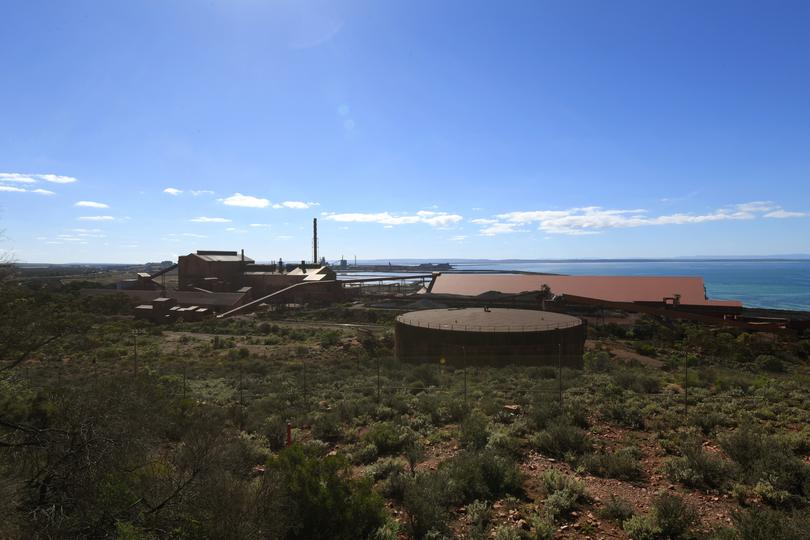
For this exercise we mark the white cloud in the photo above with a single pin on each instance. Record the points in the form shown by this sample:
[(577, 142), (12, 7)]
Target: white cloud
[(187, 235), (21, 178), (203, 219), (247, 201), (782, 214), (458, 238), (297, 205), (15, 189), (96, 218), (595, 219), (92, 204), (500, 228), (57, 179), (17, 178), (198, 192), (173, 191), (434, 219), (758, 206), (261, 225)]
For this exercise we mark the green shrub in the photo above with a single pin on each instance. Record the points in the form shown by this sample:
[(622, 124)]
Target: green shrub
[(330, 338), (563, 493), (622, 464), (547, 372), (767, 462), (542, 528), (637, 382), (389, 531), (597, 361), (324, 501), (766, 524), (708, 420), (413, 452), (384, 468), (474, 431), (646, 349), (387, 437), (326, 427), (642, 527), (425, 501), (561, 439), (769, 362), (394, 485), (669, 519), (274, 429), (543, 413), (504, 442), (505, 532), (697, 468), (673, 515), (616, 509), (624, 414), (480, 475), (479, 514)]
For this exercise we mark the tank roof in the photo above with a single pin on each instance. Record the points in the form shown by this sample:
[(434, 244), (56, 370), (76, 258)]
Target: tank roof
[(488, 320)]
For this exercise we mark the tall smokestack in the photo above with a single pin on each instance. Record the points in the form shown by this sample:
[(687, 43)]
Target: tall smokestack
[(315, 240)]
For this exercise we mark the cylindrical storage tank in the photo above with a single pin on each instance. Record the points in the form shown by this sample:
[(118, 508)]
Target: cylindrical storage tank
[(495, 337)]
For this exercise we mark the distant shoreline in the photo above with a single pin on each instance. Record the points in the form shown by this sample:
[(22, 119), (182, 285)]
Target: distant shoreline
[(797, 258)]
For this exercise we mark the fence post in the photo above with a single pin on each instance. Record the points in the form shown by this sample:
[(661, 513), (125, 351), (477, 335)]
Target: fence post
[(559, 371)]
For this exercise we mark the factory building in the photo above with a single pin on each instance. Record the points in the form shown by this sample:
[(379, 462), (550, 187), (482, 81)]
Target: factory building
[(484, 336), (684, 293)]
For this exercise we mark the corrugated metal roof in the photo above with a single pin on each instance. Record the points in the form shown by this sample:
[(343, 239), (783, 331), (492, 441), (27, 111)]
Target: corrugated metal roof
[(223, 258), (186, 298), (610, 288)]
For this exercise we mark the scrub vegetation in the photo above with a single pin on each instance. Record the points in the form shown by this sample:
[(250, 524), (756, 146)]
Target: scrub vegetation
[(113, 428)]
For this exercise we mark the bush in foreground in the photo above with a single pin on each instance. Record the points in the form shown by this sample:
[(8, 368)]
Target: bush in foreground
[(563, 494), (669, 519), (767, 524), (622, 464), (323, 501)]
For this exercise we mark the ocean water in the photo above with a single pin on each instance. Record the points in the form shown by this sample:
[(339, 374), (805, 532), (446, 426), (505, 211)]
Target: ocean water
[(777, 284)]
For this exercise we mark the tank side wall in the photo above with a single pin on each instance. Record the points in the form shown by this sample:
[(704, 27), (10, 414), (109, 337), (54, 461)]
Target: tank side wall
[(423, 345)]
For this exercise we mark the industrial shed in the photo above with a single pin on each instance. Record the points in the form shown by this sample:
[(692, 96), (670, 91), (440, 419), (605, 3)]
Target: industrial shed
[(652, 290)]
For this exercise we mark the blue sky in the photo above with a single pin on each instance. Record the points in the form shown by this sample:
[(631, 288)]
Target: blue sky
[(133, 131)]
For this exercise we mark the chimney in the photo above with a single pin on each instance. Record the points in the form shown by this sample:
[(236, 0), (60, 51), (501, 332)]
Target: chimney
[(314, 240)]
